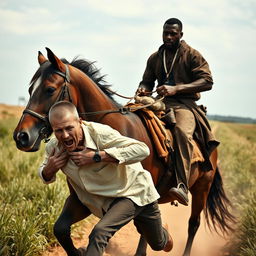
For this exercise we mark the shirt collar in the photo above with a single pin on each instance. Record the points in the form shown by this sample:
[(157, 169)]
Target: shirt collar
[(88, 141), (181, 50)]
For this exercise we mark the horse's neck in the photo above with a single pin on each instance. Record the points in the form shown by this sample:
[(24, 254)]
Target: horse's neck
[(90, 98)]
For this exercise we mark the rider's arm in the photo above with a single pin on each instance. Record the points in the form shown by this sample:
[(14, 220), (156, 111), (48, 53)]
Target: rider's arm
[(148, 78), (201, 78)]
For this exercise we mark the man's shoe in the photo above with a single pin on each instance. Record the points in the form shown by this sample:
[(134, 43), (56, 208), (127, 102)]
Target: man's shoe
[(81, 251), (179, 193), (169, 245)]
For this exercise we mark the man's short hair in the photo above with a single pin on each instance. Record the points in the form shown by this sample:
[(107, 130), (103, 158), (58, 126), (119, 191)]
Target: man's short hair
[(68, 106), (172, 21)]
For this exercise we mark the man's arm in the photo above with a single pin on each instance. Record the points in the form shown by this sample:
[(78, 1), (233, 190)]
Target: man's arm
[(85, 156), (124, 149), (52, 164)]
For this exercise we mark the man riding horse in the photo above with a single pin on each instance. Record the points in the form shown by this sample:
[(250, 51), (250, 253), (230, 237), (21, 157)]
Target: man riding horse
[(182, 73)]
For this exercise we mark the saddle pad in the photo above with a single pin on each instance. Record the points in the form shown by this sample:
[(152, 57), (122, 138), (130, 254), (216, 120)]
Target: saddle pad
[(161, 136)]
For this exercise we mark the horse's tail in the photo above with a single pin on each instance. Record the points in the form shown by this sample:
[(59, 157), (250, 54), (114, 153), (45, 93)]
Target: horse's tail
[(217, 207)]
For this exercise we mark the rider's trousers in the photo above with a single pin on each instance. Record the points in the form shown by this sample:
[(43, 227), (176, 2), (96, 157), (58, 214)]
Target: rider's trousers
[(183, 136)]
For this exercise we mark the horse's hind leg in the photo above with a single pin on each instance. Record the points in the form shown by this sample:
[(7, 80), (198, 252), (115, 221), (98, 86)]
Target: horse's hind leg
[(194, 224), (199, 198), (142, 247)]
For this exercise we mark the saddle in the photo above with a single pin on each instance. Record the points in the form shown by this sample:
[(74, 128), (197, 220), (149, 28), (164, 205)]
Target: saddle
[(161, 135)]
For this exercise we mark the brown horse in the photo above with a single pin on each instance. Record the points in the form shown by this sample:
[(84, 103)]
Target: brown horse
[(80, 83)]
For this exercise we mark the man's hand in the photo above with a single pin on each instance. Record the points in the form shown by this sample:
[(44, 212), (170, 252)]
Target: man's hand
[(85, 156), (55, 162), (166, 90), (82, 157)]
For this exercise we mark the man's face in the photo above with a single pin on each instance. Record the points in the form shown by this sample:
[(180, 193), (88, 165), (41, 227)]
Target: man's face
[(171, 35), (68, 131)]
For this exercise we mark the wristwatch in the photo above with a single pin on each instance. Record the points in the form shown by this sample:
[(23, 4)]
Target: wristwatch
[(97, 157)]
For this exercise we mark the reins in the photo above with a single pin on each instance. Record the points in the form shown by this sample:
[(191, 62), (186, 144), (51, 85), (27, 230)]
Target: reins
[(45, 130), (65, 94), (123, 110)]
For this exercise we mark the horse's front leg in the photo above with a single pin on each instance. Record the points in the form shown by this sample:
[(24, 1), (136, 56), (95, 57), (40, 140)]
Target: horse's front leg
[(142, 247), (73, 211)]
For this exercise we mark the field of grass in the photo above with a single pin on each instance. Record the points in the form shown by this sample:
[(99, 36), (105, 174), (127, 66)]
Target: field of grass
[(238, 163), (29, 208)]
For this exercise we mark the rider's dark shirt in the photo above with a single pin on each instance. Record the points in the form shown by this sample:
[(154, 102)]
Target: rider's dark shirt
[(189, 66)]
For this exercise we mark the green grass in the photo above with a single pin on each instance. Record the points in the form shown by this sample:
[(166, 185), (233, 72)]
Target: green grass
[(238, 163), (28, 207)]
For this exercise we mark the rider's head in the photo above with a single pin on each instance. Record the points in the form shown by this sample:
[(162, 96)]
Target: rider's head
[(172, 33)]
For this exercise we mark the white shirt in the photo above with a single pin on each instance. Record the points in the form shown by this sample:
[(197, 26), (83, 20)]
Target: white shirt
[(98, 184)]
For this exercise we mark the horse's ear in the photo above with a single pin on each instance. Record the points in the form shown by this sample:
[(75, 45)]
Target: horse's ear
[(57, 63), (41, 58)]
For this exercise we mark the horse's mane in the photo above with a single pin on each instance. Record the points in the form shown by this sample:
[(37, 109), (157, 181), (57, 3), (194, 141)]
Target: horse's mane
[(93, 72), (86, 67)]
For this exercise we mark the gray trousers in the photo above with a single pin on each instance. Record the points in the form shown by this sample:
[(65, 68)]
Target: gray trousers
[(147, 220)]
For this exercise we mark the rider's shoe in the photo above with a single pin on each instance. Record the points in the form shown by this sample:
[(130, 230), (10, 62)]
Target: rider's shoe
[(180, 193)]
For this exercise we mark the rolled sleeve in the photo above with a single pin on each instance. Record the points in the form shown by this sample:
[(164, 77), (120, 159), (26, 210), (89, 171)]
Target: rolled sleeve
[(131, 154), (125, 149), (48, 149), (40, 173)]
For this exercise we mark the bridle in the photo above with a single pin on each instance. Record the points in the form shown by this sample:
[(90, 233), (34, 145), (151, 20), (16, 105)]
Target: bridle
[(64, 93)]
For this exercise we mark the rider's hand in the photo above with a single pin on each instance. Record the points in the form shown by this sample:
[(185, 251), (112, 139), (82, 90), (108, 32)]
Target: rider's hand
[(166, 90), (56, 161), (142, 92)]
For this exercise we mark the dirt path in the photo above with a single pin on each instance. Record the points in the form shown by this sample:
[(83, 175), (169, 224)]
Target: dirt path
[(125, 241)]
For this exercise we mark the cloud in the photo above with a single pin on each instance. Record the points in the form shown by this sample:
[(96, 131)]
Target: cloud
[(116, 8), (30, 21), (120, 35)]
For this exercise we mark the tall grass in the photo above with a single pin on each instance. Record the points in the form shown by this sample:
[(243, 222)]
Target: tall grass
[(238, 163), (28, 207)]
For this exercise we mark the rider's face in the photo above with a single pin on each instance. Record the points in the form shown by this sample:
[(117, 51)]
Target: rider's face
[(171, 35)]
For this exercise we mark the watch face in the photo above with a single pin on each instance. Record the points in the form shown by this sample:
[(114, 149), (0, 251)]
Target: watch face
[(97, 157)]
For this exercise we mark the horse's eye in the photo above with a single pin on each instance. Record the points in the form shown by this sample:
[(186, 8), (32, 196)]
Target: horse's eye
[(50, 90)]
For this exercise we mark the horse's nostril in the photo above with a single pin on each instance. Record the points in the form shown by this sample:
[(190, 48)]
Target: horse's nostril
[(23, 138)]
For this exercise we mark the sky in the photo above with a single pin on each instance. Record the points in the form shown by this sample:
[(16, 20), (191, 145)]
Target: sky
[(121, 35)]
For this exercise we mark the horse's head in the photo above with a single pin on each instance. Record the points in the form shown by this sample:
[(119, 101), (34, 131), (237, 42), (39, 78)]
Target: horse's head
[(48, 85)]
